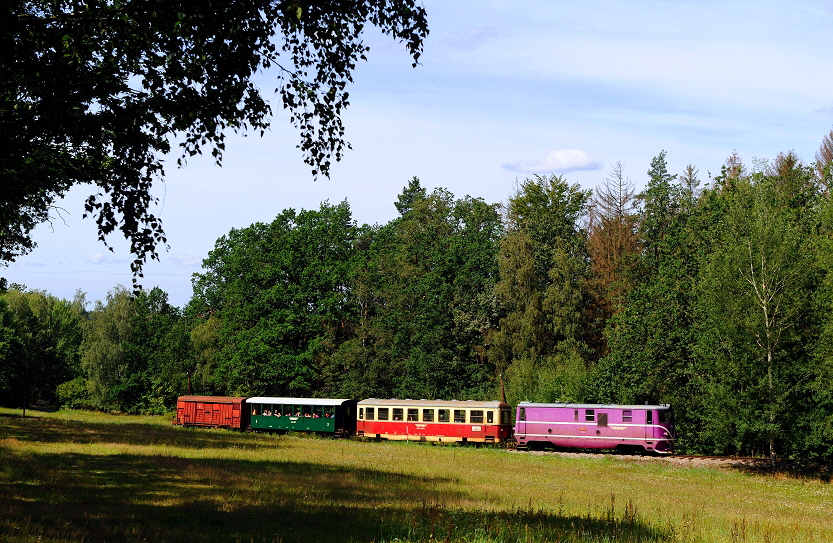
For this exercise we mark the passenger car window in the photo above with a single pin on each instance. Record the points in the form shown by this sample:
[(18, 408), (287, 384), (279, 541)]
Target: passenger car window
[(477, 416), (397, 413), (384, 413), (444, 415), (490, 417), (505, 417), (413, 415), (459, 415), (371, 413), (428, 415)]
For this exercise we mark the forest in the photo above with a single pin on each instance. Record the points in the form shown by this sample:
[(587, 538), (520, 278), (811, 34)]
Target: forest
[(713, 295)]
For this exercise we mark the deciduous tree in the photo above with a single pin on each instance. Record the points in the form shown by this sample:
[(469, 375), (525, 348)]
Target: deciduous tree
[(94, 92)]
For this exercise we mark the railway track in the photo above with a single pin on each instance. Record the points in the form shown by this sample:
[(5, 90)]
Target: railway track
[(678, 459)]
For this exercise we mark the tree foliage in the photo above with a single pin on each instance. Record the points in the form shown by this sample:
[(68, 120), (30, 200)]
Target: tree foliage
[(94, 93), (543, 292)]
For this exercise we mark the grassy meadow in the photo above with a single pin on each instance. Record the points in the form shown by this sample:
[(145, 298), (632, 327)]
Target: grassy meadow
[(77, 476)]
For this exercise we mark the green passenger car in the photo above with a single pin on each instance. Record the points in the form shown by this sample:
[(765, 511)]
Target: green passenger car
[(321, 415)]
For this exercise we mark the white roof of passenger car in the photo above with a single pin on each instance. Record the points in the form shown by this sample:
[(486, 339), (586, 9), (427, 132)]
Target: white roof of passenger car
[(297, 401)]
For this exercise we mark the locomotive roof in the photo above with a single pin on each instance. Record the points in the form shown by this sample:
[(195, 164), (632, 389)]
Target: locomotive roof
[(393, 402), (594, 405), (298, 401)]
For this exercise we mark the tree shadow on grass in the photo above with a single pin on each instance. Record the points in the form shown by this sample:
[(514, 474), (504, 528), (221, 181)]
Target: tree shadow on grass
[(49, 430), (94, 498), (821, 471)]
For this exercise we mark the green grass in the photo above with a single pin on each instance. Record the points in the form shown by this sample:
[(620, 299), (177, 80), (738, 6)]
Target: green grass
[(78, 476)]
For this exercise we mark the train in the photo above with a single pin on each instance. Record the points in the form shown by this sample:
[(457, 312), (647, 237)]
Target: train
[(627, 428)]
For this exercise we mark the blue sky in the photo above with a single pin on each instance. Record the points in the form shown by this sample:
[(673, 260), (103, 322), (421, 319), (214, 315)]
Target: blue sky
[(504, 90)]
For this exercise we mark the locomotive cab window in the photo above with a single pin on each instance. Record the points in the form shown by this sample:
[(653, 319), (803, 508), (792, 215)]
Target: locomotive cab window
[(427, 415), (459, 415), (665, 416), (649, 417), (476, 417), (589, 415), (444, 415), (384, 413), (413, 415), (522, 413)]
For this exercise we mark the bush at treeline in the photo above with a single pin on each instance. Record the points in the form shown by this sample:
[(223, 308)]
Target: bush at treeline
[(716, 298)]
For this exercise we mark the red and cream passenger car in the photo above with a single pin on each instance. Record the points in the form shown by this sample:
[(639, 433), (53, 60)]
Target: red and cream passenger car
[(434, 420)]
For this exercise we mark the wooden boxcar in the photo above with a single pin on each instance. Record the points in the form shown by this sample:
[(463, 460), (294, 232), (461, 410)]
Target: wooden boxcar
[(434, 420), (647, 428), (212, 412), (321, 415)]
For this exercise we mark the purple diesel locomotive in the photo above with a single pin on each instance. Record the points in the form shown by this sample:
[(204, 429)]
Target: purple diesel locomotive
[(632, 428)]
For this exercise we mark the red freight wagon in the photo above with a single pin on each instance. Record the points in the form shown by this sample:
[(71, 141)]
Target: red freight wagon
[(434, 420), (211, 412)]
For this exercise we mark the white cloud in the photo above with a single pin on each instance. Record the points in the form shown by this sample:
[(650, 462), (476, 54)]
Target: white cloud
[(188, 261), (562, 161), (105, 258)]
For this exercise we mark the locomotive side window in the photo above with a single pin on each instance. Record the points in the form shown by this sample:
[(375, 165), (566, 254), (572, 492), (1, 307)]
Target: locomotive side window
[(650, 417), (459, 415), (427, 415), (371, 413), (397, 413), (477, 416), (413, 415), (490, 417), (589, 415), (627, 415), (444, 415), (384, 413)]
